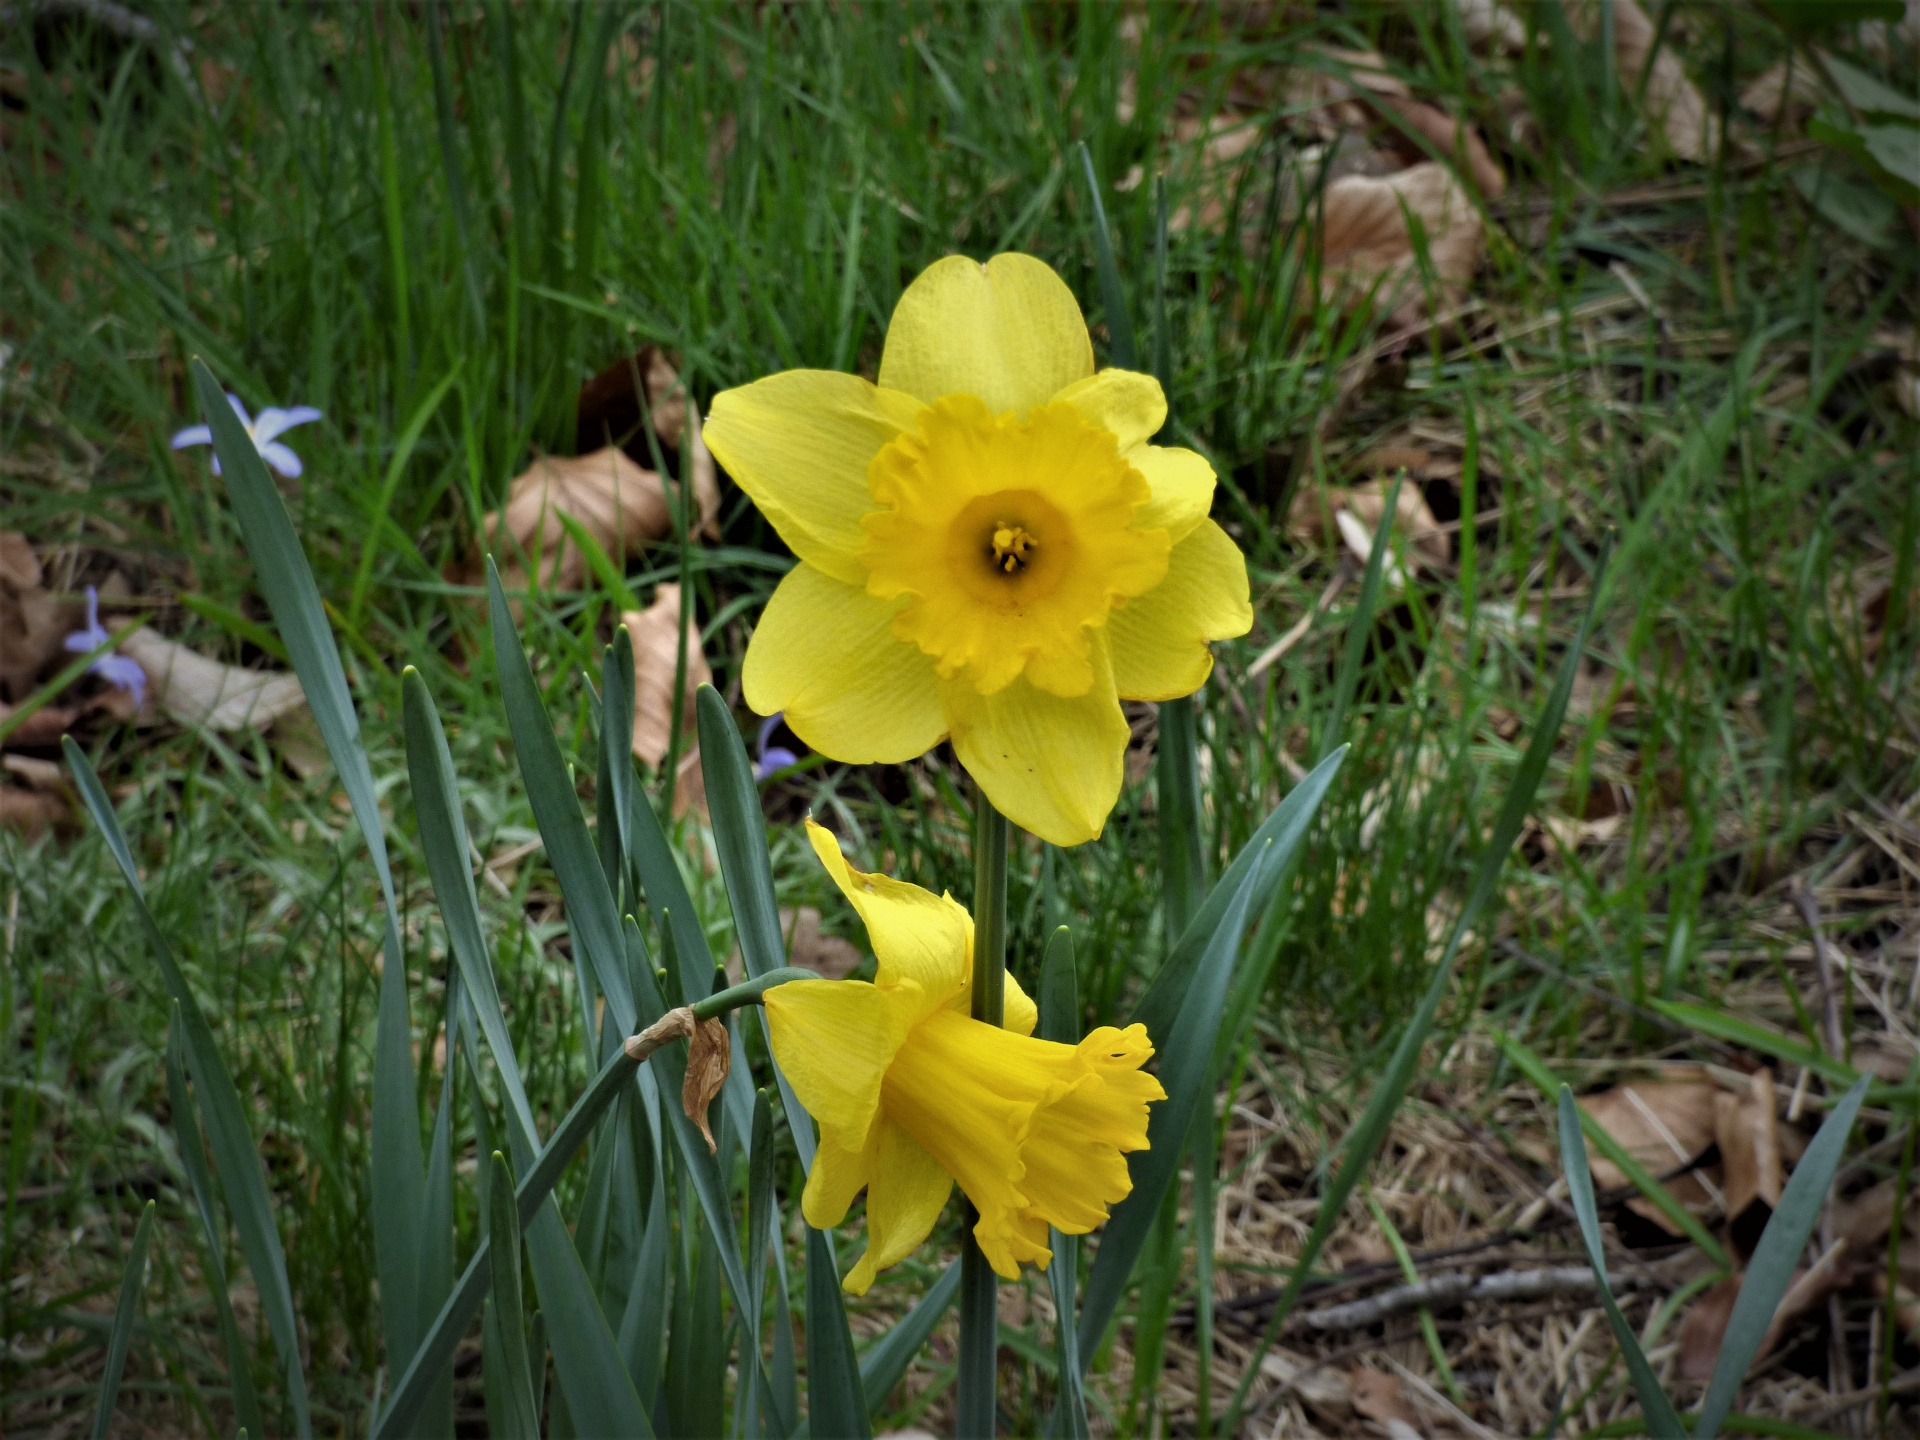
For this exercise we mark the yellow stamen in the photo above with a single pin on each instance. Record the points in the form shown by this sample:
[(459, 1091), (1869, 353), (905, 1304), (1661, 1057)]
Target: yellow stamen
[(1011, 547)]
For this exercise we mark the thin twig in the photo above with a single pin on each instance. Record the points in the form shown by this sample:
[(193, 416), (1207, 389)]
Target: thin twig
[(1809, 909), (1457, 1289)]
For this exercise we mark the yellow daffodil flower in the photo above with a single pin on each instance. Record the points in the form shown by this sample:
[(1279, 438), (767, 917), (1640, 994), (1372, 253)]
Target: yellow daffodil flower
[(989, 548), (912, 1093)]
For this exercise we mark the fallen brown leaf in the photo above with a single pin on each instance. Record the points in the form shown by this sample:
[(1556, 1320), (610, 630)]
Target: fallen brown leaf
[(196, 690), (622, 506), (1455, 140), (34, 625), (1311, 513), (1783, 93), (614, 404), (1367, 238), (655, 635), (34, 813), (1747, 1128), (1704, 1330), (1489, 27), (1675, 108), (1380, 1398), (1662, 1123), (1325, 1388)]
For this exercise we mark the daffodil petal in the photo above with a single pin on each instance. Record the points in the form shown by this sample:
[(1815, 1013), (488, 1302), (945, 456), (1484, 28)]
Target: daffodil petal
[(1182, 484), (840, 1172), (1129, 404), (1050, 764), (1159, 639), (906, 1192), (825, 653), (1008, 331), (799, 444), (916, 934), (1020, 1014), (835, 1040), (1075, 1154)]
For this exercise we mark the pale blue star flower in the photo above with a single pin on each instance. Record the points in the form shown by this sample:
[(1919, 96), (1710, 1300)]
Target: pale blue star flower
[(117, 670), (772, 758), (265, 433)]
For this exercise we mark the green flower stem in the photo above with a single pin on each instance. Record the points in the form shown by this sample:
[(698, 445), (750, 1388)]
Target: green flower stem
[(436, 1351), (974, 1401)]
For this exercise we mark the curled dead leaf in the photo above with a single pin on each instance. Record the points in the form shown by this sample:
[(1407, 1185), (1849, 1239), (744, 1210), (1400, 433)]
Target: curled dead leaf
[(1380, 1398), (1367, 238), (1662, 1123), (1355, 514), (1457, 141), (1675, 108), (41, 803), (1747, 1128), (34, 624), (655, 635), (709, 1058), (622, 506), (195, 690), (614, 405), (1704, 1330)]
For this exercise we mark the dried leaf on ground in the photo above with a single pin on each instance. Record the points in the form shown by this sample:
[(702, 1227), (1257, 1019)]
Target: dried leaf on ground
[(655, 635), (621, 505), (1747, 1128), (34, 624), (1488, 26), (1381, 1398), (1456, 141), (196, 690), (1367, 237), (1675, 108), (610, 409), (1662, 1123), (1325, 1387), (1784, 92), (1704, 1330), (35, 799), (1425, 542)]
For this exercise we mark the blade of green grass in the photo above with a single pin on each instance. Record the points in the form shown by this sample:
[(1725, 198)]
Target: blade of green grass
[(132, 1281), (1060, 1022), (591, 915), (1365, 1138), (1770, 1271), (740, 835), (836, 1404), (236, 1159), (1637, 1174), (886, 1360), (286, 580), (1662, 1419), (246, 1400), (1185, 1070), (518, 1408)]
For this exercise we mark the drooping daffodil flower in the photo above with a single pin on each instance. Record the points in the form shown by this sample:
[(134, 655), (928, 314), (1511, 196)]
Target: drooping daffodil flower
[(990, 549), (273, 422), (119, 671), (913, 1094)]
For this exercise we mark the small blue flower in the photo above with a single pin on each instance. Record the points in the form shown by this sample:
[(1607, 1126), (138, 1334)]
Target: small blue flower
[(117, 670), (265, 432), (771, 760)]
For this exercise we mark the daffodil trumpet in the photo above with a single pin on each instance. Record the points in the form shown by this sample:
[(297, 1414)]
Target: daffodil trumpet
[(990, 548), (913, 1094)]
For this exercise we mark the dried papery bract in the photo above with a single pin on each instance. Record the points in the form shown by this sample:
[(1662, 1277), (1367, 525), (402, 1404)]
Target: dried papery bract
[(709, 1058)]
